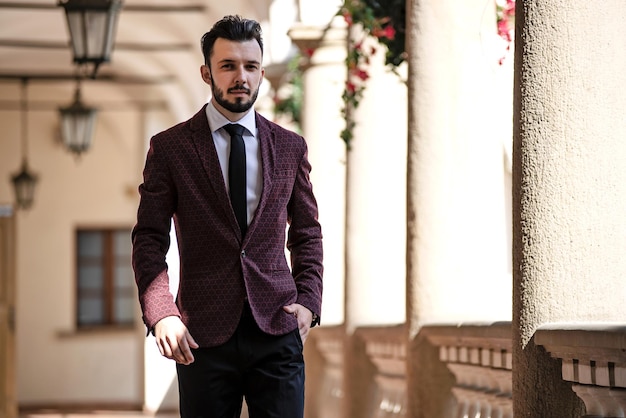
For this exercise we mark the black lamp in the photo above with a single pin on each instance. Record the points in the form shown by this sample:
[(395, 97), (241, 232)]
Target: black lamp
[(92, 25), (24, 182), (77, 125)]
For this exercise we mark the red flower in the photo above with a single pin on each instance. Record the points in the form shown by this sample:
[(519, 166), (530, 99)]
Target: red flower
[(362, 74), (504, 31), (509, 9), (347, 17), (309, 52), (390, 32), (387, 32), (350, 87)]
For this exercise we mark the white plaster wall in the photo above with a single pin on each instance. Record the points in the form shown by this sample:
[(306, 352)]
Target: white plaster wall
[(54, 364)]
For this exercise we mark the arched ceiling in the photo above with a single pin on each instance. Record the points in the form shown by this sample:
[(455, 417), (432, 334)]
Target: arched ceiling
[(156, 57)]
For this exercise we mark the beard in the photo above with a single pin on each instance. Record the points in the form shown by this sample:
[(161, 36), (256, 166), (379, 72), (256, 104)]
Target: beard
[(239, 105)]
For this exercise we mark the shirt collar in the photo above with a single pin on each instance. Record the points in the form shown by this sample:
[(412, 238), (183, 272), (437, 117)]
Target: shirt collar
[(217, 120)]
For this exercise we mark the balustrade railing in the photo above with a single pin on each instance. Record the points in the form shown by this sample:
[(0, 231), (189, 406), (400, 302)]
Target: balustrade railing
[(593, 358), (386, 349), (480, 358), (325, 371)]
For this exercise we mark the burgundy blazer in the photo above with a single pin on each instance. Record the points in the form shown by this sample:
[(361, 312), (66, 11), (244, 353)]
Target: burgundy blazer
[(218, 268)]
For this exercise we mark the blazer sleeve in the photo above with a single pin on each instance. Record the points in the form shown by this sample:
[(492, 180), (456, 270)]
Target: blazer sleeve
[(151, 236), (304, 240)]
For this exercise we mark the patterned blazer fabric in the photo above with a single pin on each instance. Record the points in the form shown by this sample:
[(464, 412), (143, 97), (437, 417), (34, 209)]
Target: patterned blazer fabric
[(218, 268)]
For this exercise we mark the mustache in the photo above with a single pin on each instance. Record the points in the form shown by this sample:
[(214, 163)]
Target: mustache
[(238, 89)]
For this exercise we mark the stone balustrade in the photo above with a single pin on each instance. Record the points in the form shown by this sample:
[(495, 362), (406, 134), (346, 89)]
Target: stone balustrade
[(325, 368), (386, 349), (480, 358), (593, 358)]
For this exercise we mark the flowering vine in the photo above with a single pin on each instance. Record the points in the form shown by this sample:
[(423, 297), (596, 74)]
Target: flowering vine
[(505, 14), (388, 29), (383, 20)]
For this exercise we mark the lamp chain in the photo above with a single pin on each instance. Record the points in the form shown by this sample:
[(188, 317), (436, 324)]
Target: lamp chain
[(24, 106)]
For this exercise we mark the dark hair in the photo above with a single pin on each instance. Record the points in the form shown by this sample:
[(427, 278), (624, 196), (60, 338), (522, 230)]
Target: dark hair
[(233, 28)]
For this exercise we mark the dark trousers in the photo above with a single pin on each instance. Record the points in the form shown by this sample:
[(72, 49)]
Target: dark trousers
[(267, 370)]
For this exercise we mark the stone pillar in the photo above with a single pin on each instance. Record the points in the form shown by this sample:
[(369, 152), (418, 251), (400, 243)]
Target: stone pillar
[(323, 80), (569, 185), (376, 198), (375, 227), (457, 224)]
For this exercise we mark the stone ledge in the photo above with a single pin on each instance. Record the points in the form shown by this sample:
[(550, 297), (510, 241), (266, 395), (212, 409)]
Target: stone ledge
[(591, 354)]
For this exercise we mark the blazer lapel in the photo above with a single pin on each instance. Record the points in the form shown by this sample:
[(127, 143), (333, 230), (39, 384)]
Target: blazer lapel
[(203, 142), (267, 146)]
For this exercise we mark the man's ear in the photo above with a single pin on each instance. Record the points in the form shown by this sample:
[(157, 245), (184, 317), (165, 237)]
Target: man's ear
[(205, 72)]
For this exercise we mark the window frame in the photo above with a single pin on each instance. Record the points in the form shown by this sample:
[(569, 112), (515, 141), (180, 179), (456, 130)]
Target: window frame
[(108, 285)]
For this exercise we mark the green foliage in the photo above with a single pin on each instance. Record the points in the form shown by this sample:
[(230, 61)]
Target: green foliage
[(291, 105)]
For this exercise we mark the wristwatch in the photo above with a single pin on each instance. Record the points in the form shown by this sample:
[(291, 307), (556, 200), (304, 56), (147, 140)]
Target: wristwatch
[(315, 321)]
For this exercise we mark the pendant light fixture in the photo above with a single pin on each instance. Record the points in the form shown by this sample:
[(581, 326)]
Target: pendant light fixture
[(92, 25), (24, 181), (77, 124)]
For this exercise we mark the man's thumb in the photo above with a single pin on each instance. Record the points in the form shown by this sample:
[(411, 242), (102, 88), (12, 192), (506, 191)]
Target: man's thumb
[(192, 343)]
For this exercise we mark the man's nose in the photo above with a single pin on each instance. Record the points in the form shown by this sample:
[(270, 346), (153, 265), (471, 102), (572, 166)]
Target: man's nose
[(240, 76)]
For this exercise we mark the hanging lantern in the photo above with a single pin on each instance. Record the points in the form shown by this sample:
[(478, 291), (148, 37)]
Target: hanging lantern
[(92, 25), (24, 184), (77, 125)]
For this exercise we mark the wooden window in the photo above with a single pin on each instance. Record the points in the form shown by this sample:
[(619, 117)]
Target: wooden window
[(105, 284)]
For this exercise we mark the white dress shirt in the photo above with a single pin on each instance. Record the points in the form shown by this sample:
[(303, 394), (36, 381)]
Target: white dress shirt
[(221, 139)]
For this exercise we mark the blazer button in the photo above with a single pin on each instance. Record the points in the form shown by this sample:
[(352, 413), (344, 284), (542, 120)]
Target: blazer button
[(243, 254)]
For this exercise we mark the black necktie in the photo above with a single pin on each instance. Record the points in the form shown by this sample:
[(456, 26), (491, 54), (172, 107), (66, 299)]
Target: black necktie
[(237, 174)]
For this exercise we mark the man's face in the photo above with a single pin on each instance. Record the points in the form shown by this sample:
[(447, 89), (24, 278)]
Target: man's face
[(235, 75)]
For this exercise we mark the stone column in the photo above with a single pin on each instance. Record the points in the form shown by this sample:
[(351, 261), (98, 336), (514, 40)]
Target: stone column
[(375, 228), (457, 224), (323, 80), (376, 198), (569, 185), (324, 44)]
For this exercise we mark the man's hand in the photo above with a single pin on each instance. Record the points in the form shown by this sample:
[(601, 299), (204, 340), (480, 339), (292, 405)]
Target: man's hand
[(174, 340), (304, 316)]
